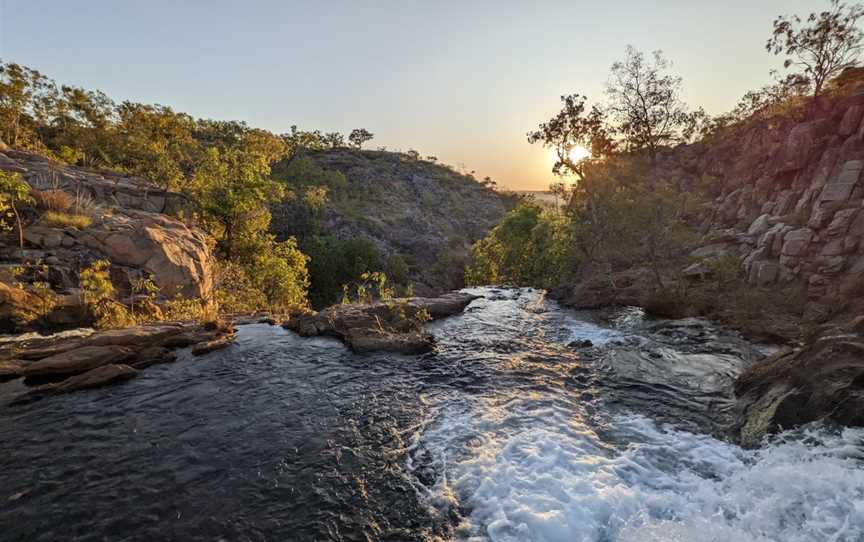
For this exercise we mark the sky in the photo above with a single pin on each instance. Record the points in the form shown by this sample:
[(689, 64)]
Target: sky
[(458, 79)]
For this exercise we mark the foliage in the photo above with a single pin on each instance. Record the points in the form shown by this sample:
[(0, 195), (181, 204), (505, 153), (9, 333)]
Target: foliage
[(820, 46), (619, 216), (358, 136), (99, 297), (232, 189), (181, 308), (279, 272), (236, 292), (52, 200), (529, 247), (13, 192), (57, 219), (334, 262), (96, 282)]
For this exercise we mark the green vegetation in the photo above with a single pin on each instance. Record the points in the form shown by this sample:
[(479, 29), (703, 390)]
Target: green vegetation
[(13, 192), (224, 168), (58, 219)]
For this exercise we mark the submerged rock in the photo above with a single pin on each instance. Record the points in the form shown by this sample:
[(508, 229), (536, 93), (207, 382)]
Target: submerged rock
[(94, 378), (218, 343), (385, 327)]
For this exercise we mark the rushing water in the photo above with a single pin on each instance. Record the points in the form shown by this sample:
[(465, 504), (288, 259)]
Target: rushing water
[(507, 433)]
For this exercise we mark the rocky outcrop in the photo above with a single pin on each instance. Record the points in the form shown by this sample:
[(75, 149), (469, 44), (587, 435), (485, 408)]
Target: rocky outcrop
[(132, 228), (105, 187), (386, 327), (791, 199), (77, 360)]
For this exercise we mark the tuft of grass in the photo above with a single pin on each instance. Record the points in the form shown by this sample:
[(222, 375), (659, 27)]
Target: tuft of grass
[(53, 200), (59, 219)]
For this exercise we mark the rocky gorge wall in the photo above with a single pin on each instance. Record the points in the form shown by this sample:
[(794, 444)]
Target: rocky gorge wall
[(791, 201), (133, 226)]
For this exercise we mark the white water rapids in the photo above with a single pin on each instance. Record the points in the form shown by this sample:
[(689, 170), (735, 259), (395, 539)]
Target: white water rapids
[(536, 465)]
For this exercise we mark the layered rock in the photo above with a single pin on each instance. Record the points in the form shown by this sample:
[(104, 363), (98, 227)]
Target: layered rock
[(791, 203), (132, 228), (388, 327), (104, 357)]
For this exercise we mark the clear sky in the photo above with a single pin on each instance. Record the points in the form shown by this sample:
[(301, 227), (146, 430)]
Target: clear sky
[(462, 80)]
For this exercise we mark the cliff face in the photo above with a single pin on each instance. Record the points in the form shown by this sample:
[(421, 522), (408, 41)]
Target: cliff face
[(790, 203), (426, 213), (131, 227)]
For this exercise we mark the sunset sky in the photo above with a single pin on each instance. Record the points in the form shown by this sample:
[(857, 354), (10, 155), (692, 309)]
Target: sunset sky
[(460, 80)]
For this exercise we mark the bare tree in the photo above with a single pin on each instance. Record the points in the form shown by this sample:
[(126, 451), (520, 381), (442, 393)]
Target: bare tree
[(645, 101), (822, 45)]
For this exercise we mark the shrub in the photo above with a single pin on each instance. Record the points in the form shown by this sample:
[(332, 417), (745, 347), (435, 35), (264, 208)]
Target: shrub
[(99, 297), (57, 219)]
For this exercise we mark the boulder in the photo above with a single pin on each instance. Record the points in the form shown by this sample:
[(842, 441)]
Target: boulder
[(77, 360), (177, 256), (152, 356), (138, 336)]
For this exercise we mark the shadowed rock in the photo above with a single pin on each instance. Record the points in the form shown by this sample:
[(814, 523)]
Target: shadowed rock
[(822, 381), (94, 378)]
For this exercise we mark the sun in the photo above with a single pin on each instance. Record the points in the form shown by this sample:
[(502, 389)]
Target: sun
[(579, 153)]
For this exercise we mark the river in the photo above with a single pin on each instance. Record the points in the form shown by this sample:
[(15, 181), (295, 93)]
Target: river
[(513, 430)]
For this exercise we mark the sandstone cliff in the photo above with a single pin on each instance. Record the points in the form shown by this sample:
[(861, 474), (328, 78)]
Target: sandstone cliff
[(132, 226)]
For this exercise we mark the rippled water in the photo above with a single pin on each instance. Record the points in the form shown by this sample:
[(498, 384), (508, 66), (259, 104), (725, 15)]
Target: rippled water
[(505, 433)]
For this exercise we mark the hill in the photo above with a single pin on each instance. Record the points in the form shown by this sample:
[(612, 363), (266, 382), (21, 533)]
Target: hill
[(422, 216)]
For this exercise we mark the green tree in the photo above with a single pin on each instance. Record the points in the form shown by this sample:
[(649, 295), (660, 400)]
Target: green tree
[(233, 190), (820, 46), (527, 248), (26, 97), (359, 136), (13, 192)]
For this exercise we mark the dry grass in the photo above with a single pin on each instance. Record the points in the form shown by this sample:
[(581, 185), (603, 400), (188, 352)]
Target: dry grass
[(58, 219), (53, 200)]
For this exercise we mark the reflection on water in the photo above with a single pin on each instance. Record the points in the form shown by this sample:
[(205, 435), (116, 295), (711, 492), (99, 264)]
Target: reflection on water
[(506, 433)]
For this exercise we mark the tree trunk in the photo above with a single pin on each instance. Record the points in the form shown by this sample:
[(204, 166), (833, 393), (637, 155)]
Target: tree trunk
[(20, 226)]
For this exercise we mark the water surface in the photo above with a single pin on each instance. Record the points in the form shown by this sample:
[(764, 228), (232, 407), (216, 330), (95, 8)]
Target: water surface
[(506, 433)]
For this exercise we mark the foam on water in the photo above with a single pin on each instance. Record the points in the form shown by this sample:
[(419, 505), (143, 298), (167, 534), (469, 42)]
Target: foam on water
[(560, 481)]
